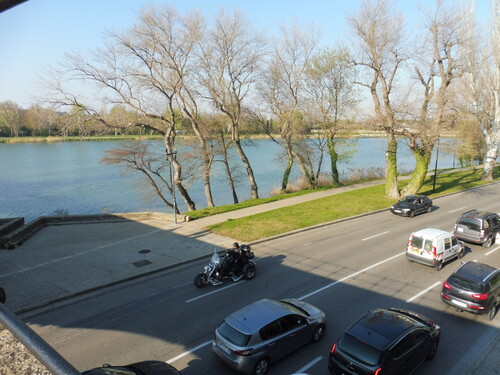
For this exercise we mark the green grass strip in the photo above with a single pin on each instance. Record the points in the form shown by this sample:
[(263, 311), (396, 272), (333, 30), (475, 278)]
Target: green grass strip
[(338, 206)]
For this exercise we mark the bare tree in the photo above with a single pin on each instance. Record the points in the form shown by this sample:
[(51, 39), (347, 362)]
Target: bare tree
[(330, 78), (281, 91), (130, 71), (175, 40), (436, 67), (482, 81), (229, 65), (381, 50)]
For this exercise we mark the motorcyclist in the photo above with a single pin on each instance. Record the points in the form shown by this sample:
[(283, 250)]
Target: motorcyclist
[(232, 260)]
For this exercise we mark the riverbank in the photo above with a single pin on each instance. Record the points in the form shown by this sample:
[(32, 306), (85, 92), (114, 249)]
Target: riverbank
[(364, 133)]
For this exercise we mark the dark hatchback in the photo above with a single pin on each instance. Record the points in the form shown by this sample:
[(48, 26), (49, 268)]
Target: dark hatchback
[(473, 287), (385, 341), (138, 368), (478, 227), (412, 205)]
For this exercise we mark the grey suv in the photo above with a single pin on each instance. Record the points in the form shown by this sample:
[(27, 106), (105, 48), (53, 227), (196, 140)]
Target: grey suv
[(385, 341), (479, 227), (250, 339), (473, 287)]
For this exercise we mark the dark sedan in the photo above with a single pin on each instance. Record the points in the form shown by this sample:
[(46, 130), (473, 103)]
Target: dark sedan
[(138, 368), (412, 205)]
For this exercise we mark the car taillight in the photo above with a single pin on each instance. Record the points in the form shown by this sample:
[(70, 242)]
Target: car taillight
[(434, 251), (446, 285), (244, 353), (409, 241), (477, 307), (445, 296), (378, 371), (332, 350), (481, 297)]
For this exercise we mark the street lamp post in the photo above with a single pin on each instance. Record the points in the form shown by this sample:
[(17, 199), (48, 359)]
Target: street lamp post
[(435, 167), (170, 158)]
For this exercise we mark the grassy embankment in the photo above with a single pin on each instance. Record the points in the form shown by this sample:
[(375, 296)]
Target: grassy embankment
[(334, 207)]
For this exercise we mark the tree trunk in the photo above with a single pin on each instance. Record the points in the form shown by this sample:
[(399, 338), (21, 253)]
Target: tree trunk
[(422, 160), (391, 171), (286, 173), (177, 181), (246, 164), (491, 160), (334, 157), (207, 166)]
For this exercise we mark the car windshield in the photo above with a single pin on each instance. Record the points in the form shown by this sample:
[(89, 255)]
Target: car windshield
[(471, 224), (360, 350), (295, 308), (408, 200), (233, 335), (464, 284)]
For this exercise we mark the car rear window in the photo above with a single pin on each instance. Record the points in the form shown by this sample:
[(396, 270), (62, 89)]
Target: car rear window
[(471, 224), (361, 351), (233, 335), (417, 242), (464, 284)]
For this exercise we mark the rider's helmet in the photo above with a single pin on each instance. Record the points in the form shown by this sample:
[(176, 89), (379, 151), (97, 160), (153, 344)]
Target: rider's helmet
[(236, 245)]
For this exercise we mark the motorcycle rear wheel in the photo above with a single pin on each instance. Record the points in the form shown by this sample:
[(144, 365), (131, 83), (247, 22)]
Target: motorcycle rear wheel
[(250, 272), (200, 280)]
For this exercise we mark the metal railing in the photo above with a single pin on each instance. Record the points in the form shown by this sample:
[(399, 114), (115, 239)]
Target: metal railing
[(46, 354)]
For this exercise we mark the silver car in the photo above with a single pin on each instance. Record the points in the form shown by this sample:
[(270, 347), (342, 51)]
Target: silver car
[(252, 338)]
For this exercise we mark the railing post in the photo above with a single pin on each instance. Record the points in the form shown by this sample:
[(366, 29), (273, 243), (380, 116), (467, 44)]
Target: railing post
[(45, 353)]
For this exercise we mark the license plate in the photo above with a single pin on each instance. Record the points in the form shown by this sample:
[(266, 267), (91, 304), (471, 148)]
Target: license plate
[(458, 303), (224, 347), (398, 211)]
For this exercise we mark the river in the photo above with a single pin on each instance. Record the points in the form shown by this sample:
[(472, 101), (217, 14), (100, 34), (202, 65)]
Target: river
[(39, 179)]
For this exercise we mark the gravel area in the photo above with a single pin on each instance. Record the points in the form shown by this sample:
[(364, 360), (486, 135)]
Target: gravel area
[(15, 359)]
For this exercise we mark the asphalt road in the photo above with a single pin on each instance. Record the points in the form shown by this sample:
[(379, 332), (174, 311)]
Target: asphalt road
[(345, 269)]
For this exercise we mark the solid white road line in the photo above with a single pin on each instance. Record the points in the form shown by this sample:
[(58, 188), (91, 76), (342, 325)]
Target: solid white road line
[(492, 251), (215, 291), (351, 275), (423, 291), (457, 209), (172, 360), (369, 238), (309, 365)]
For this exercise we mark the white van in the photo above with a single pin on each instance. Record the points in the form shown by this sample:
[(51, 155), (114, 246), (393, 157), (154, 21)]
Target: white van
[(433, 247)]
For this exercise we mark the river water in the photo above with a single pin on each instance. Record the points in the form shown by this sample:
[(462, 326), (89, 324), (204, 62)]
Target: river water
[(49, 178)]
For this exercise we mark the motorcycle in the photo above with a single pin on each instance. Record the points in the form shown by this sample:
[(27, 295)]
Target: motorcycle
[(216, 270)]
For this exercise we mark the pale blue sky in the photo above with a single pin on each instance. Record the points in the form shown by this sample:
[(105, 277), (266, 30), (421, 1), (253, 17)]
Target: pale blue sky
[(38, 33)]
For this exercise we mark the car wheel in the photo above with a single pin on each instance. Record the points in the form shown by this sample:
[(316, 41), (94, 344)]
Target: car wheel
[(412, 213), (461, 254), (439, 266), (261, 367), (429, 209), (201, 280), (492, 312), (433, 350), (318, 333), (488, 242), (250, 272)]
